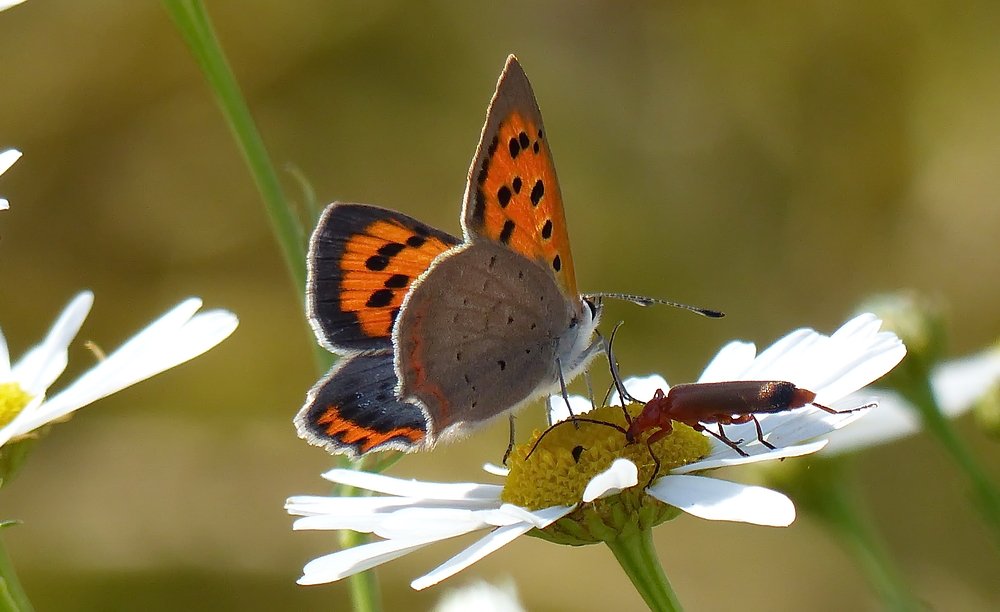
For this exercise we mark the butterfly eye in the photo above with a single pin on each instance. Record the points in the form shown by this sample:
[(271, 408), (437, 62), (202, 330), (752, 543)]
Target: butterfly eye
[(594, 305)]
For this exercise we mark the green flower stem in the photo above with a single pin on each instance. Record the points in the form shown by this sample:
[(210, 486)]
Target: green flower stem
[(635, 552), (196, 28), (365, 593), (985, 494), (831, 498), (12, 596)]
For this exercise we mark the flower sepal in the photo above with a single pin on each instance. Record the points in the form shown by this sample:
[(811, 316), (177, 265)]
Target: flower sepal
[(14, 454), (606, 519)]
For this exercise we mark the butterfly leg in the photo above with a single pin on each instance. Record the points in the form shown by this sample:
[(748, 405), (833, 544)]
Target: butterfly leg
[(590, 389), (510, 443), (565, 395)]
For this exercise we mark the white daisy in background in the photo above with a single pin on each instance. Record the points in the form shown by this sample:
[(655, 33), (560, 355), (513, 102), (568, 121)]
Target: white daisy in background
[(6, 4), (481, 596), (958, 384), (579, 483), (174, 338), (7, 158)]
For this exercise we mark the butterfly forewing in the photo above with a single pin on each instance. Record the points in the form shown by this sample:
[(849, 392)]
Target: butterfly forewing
[(512, 195), (362, 261)]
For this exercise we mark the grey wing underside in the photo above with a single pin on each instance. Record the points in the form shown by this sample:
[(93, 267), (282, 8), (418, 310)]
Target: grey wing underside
[(478, 335)]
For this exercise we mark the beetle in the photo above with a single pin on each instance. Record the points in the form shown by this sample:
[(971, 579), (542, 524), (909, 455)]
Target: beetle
[(697, 404), (725, 403)]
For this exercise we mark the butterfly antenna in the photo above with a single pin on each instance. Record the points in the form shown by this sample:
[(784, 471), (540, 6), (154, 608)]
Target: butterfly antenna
[(510, 442), (642, 300)]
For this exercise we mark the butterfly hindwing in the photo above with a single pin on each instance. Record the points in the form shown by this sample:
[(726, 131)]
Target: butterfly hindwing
[(354, 410), (478, 336), (362, 260), (512, 196)]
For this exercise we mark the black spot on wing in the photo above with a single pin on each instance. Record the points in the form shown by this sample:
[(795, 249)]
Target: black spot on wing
[(479, 208), (380, 298), (514, 147), (504, 195), (396, 281), (507, 231), (377, 263), (537, 192)]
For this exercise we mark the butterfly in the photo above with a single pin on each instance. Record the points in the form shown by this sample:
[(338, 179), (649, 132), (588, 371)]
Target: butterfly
[(439, 336)]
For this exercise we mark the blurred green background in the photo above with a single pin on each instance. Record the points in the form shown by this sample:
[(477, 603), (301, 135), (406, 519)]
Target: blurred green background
[(779, 161)]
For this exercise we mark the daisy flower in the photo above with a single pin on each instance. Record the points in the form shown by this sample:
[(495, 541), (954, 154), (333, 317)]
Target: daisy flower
[(7, 158), (174, 338), (579, 485)]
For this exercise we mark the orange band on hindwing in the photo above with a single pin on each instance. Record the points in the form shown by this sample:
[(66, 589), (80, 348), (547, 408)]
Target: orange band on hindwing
[(363, 438)]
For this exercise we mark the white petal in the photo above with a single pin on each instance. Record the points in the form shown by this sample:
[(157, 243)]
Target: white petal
[(4, 204), (797, 426), (310, 505), (4, 359), (381, 483), (496, 470), (363, 523), (621, 475), (508, 514), (43, 364), (731, 458), (437, 523), (343, 563), (489, 543), (774, 360), (8, 157), (883, 354), (721, 500), (173, 339), (558, 411), (730, 362), (539, 518), (496, 539), (359, 506)]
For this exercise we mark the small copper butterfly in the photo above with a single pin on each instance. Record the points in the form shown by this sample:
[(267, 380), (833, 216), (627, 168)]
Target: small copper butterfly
[(437, 335)]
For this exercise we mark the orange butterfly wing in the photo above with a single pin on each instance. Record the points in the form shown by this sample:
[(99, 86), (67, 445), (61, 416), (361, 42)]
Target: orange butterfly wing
[(512, 195)]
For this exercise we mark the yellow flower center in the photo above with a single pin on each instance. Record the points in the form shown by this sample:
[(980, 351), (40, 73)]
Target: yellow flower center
[(13, 399), (569, 456)]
